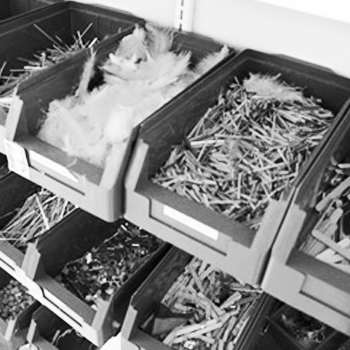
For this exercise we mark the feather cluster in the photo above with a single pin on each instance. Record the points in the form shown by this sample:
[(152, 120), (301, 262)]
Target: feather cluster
[(270, 88), (138, 78)]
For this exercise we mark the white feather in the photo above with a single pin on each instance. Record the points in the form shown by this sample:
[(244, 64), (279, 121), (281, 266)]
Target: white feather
[(211, 60), (88, 73), (268, 87), (160, 39), (140, 77)]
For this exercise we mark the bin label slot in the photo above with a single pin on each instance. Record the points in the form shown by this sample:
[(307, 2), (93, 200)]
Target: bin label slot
[(190, 222), (48, 163), (17, 158)]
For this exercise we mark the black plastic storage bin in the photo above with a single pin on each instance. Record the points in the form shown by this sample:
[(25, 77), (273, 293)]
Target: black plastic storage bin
[(329, 339), (46, 331), (68, 240), (298, 278), (225, 243), (13, 331), (148, 297), (11, 9), (94, 189), (14, 190), (257, 336), (39, 30)]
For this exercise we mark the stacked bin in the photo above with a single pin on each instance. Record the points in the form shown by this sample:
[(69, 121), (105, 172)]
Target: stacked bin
[(42, 329), (68, 240), (296, 277), (221, 241), (41, 262), (149, 296), (267, 258), (61, 20), (265, 330), (12, 328)]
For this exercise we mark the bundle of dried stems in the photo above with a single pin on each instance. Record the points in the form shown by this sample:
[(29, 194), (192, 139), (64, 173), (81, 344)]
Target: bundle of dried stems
[(40, 212), (58, 52), (214, 307), (247, 149)]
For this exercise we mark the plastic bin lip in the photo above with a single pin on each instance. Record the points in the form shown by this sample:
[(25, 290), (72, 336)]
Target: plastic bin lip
[(31, 16), (242, 58), (179, 203), (27, 14), (319, 289), (77, 167), (85, 319)]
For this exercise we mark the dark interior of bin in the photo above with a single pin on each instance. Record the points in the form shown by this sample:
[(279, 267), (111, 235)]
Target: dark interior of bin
[(14, 191), (48, 326), (170, 125), (61, 21), (4, 278), (11, 8), (71, 238), (285, 338), (149, 296)]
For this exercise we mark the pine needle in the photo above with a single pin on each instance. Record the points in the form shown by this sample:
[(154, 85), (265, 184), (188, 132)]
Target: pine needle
[(58, 52), (39, 213), (247, 149)]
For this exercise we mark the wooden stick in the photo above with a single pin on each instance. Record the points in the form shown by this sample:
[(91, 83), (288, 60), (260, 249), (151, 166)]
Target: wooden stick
[(335, 193), (331, 244)]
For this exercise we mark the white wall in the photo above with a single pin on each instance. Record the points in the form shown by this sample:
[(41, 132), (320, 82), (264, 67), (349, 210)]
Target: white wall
[(335, 9), (263, 26), (160, 11)]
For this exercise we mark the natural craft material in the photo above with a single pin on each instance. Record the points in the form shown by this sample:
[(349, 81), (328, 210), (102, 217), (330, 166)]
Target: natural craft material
[(13, 300), (144, 72), (58, 52), (207, 309), (39, 213), (102, 271), (247, 149), (329, 240), (306, 330)]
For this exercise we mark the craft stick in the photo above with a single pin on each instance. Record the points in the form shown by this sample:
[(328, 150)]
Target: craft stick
[(331, 244), (335, 193)]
